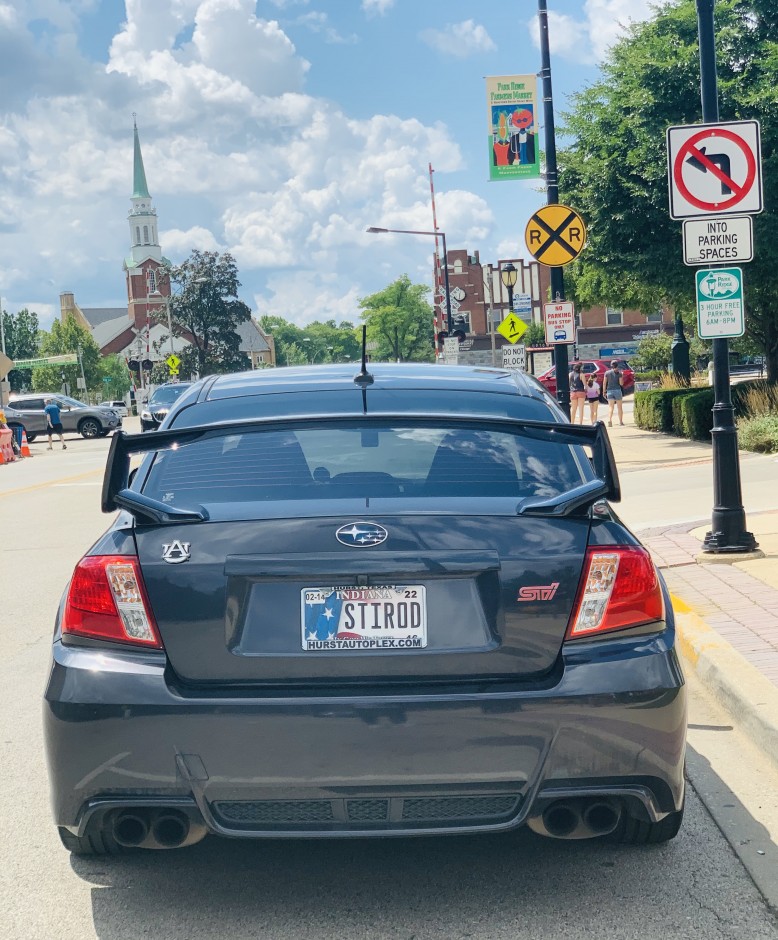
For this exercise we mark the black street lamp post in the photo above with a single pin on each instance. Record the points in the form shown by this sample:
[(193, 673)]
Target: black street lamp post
[(442, 235), (728, 531), (508, 275)]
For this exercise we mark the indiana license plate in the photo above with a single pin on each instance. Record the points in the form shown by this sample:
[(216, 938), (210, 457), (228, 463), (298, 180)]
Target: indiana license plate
[(385, 617)]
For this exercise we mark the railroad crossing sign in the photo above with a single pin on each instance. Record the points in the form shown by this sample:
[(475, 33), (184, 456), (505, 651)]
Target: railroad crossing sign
[(714, 169), (555, 235), (173, 362), (720, 303), (512, 328)]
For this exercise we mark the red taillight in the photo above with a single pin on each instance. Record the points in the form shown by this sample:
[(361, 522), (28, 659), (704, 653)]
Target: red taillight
[(619, 589), (107, 601)]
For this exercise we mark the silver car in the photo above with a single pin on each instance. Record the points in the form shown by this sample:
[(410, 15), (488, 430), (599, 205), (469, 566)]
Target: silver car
[(27, 411)]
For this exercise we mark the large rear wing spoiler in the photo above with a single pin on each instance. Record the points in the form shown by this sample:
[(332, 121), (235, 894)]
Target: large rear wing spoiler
[(117, 495)]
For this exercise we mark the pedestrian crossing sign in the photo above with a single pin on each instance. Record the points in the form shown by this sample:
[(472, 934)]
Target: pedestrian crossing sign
[(512, 328)]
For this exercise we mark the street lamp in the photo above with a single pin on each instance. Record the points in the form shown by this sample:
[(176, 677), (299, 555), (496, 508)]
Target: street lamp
[(508, 275), (441, 235)]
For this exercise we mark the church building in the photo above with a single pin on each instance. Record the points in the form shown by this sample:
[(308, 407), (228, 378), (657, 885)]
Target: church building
[(134, 330)]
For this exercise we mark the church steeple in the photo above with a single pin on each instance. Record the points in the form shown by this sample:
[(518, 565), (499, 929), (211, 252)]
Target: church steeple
[(144, 286), (140, 187), (144, 238)]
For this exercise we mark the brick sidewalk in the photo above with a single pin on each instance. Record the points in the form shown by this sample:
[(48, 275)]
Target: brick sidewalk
[(742, 609)]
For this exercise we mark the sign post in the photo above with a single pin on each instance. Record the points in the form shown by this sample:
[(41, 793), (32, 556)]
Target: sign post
[(728, 531)]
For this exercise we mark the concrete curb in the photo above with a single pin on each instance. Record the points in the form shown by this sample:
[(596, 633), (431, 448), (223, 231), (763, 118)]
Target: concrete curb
[(737, 685)]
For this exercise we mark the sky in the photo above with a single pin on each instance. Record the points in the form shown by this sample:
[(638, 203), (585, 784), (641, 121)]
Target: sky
[(277, 130)]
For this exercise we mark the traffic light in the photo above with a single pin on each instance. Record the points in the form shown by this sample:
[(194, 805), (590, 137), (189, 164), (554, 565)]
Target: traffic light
[(133, 365), (441, 336)]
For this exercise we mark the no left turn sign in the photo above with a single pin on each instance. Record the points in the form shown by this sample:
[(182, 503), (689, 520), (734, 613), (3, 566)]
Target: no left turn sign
[(714, 169)]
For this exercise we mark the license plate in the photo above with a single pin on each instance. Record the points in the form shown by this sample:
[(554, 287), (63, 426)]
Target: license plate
[(386, 617)]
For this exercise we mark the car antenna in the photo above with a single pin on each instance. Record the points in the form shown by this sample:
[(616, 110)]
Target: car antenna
[(363, 377)]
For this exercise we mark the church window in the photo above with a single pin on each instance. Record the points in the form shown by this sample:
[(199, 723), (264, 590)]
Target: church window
[(137, 234), (152, 281), (457, 266), (145, 234)]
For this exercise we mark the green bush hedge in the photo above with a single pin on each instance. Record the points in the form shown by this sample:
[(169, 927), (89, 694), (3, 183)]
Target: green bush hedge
[(653, 376), (654, 409), (687, 412)]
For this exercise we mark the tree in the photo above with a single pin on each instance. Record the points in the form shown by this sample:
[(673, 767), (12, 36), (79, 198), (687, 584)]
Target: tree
[(615, 174), (64, 338), (22, 338), (206, 311), (317, 342), (115, 370), (535, 335), (399, 321)]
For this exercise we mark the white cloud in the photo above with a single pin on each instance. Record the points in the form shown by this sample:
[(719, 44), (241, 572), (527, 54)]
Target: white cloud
[(377, 7), (587, 40), (459, 39), (318, 22), (238, 157)]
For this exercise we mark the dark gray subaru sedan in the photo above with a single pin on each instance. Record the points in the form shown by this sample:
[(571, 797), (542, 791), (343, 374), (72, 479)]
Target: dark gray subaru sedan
[(341, 603)]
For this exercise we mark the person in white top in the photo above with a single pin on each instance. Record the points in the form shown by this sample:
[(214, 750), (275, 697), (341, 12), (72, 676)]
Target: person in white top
[(593, 397)]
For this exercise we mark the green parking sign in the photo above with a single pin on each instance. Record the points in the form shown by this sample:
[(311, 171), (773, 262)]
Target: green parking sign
[(720, 309)]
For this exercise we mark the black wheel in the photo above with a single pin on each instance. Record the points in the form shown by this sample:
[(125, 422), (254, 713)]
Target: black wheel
[(636, 832), (90, 427), (98, 842)]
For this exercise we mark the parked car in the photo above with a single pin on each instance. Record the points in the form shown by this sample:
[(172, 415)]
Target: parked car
[(598, 367), (86, 420), (119, 406), (383, 604), (156, 408)]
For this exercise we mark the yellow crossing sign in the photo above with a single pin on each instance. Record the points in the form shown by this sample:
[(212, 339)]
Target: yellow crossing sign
[(173, 362), (555, 235), (512, 328)]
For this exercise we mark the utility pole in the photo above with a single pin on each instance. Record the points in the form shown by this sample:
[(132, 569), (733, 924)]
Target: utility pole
[(81, 365), (2, 349), (552, 197), (728, 520)]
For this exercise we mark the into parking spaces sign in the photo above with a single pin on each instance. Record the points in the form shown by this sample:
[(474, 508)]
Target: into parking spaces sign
[(720, 312), (560, 322)]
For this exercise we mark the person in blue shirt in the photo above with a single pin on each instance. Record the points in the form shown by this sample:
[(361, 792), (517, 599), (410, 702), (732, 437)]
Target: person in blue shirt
[(54, 422)]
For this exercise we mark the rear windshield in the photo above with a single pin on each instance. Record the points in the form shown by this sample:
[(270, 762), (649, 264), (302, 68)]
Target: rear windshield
[(166, 396), (398, 462)]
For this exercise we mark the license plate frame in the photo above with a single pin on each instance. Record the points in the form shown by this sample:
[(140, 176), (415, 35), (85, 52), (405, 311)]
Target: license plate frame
[(387, 618)]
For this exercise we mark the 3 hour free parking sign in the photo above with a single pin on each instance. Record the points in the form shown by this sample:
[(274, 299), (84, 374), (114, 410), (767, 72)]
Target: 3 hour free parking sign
[(714, 169)]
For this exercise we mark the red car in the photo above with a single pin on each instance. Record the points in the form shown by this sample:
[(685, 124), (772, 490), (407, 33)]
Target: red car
[(598, 367)]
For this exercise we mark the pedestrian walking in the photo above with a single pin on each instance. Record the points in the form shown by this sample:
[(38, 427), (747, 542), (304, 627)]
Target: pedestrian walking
[(593, 397), (614, 393), (577, 394), (54, 422)]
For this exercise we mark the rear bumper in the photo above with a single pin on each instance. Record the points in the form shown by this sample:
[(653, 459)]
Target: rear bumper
[(118, 734)]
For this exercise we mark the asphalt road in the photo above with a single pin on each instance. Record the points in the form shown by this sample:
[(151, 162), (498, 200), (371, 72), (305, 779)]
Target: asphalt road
[(518, 887)]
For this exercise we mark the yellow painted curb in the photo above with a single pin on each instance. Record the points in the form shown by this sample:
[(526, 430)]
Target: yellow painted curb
[(748, 696)]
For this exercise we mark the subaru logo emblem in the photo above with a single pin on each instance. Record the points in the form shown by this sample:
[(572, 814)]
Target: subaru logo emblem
[(360, 534)]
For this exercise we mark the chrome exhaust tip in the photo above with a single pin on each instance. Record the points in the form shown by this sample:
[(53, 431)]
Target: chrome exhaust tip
[(602, 817), (561, 819), (170, 828), (130, 829)]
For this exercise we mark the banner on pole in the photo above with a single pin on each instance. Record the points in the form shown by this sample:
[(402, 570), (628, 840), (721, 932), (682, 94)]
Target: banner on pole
[(512, 106)]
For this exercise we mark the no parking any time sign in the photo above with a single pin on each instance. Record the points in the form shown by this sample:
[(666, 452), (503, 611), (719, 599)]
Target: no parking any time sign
[(714, 169)]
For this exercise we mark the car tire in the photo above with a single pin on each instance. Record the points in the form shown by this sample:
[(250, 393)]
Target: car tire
[(90, 428), (637, 832), (99, 842)]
